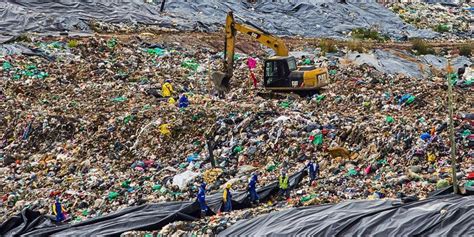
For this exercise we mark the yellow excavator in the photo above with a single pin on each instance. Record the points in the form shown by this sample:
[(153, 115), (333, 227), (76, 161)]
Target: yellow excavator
[(281, 72)]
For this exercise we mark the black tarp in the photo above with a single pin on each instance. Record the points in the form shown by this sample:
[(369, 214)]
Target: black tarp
[(448, 215), (310, 18), (144, 217)]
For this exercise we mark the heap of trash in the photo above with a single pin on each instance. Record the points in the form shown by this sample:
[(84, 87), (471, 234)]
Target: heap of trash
[(85, 120), (452, 21)]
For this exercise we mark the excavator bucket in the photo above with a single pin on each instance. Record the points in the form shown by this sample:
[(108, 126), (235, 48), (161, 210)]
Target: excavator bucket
[(221, 81)]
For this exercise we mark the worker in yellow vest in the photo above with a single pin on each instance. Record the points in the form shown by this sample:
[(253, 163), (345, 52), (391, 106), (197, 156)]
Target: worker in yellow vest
[(167, 89), (283, 185)]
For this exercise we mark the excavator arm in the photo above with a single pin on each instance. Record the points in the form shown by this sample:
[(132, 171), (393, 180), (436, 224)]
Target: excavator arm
[(265, 38)]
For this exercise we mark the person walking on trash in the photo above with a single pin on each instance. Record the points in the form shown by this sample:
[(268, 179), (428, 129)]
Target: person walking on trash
[(313, 170), (201, 198), (283, 185), (227, 198), (167, 89), (183, 101), (58, 210), (254, 198)]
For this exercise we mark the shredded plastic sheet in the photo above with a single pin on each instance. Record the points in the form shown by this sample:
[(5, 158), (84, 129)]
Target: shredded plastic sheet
[(305, 18)]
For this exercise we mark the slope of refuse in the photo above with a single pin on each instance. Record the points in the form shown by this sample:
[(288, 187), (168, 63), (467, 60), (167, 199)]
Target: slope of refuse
[(448, 20), (83, 119), (304, 18)]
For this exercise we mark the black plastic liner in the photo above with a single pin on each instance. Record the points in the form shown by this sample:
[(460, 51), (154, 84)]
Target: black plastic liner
[(144, 217), (448, 215), (298, 17)]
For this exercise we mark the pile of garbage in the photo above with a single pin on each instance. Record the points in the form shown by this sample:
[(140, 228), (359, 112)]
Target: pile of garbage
[(86, 120), (451, 21)]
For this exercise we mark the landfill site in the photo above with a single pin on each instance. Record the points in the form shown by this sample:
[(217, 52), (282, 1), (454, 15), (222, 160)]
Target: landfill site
[(236, 118)]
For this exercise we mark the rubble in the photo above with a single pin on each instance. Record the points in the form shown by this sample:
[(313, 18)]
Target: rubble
[(92, 127), (451, 21)]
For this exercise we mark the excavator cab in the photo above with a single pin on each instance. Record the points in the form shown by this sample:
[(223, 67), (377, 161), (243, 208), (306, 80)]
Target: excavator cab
[(281, 73), (277, 70)]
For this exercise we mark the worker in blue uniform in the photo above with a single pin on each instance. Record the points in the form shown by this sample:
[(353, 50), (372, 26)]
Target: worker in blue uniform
[(201, 198), (313, 170), (254, 198), (58, 211)]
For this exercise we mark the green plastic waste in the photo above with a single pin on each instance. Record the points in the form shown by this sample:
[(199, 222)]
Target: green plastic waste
[(389, 119), (332, 72), (190, 64), (195, 117), (382, 162), (156, 187), (146, 107), (466, 133), (163, 190), (271, 168), (442, 28), (469, 183), (320, 98), (85, 212), (56, 45), (156, 51), (410, 99), (318, 139), (352, 172), (112, 43), (119, 99), (307, 61), (285, 104), (28, 73), (42, 75), (126, 184), (6, 66), (237, 149), (366, 104), (307, 198), (113, 195), (73, 103), (148, 235), (128, 118)]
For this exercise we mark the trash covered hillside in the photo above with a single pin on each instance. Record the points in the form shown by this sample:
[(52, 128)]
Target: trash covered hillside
[(124, 116)]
